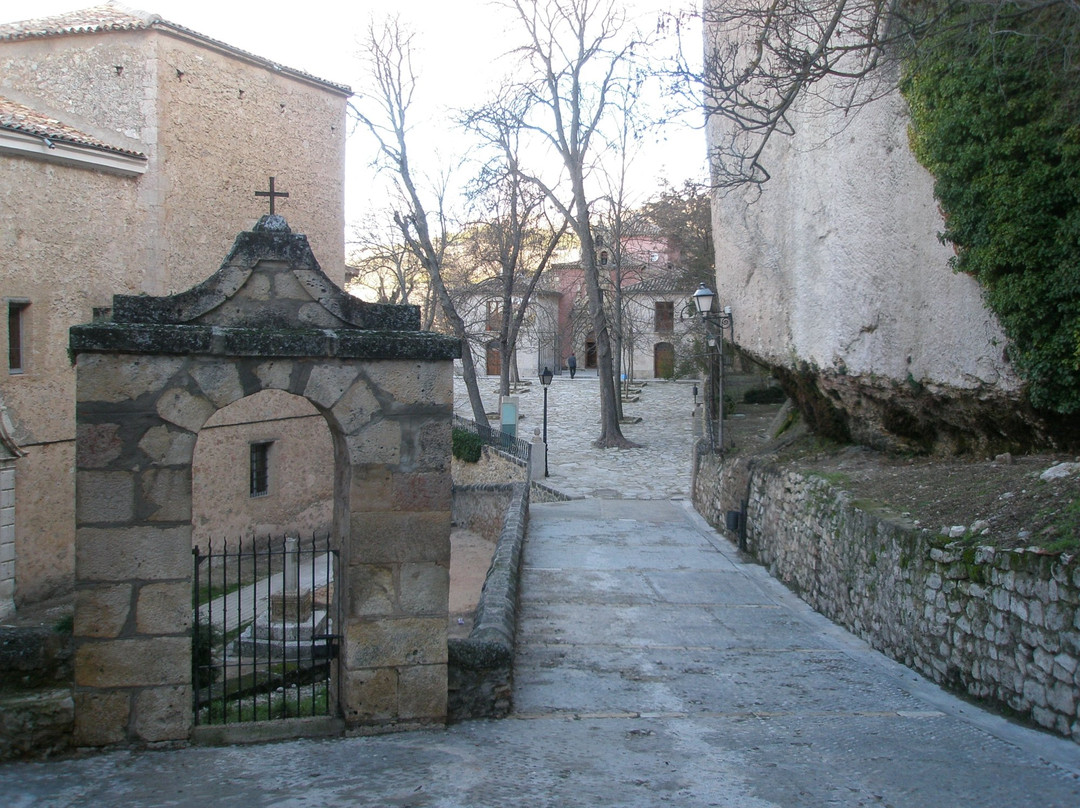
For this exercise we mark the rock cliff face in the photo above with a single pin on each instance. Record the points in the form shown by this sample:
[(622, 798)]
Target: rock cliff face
[(838, 282)]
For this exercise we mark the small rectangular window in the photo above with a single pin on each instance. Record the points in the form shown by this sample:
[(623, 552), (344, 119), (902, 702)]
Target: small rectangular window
[(665, 317), (260, 469), (17, 321)]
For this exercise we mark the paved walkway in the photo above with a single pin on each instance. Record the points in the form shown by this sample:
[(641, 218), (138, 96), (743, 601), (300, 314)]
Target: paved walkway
[(660, 469), (654, 668)]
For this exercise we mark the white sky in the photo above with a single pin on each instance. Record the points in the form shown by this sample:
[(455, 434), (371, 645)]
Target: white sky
[(459, 43)]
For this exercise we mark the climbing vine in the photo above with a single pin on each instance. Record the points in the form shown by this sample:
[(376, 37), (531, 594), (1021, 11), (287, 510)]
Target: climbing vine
[(994, 119)]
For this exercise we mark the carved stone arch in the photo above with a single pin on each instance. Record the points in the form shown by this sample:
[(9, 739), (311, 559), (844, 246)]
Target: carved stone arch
[(148, 380)]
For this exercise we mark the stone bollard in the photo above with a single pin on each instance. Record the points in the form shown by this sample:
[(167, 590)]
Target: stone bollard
[(537, 457)]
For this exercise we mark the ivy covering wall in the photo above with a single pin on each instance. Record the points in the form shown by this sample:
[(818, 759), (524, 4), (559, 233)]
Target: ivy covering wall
[(996, 119)]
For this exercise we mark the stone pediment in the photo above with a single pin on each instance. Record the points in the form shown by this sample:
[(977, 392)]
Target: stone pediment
[(270, 297)]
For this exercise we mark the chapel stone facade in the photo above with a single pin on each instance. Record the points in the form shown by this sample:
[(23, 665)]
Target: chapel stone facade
[(130, 150)]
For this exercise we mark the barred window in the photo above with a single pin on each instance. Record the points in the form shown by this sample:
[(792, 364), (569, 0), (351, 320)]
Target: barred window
[(17, 321), (260, 469)]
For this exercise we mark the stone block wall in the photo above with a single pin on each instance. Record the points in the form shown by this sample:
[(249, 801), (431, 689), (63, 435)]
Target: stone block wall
[(482, 508), (493, 467), (998, 625)]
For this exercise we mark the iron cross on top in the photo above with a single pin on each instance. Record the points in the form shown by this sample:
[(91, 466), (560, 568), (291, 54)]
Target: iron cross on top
[(273, 195)]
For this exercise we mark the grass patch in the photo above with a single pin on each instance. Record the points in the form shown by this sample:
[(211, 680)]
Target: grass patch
[(290, 703), (1068, 528), (213, 591), (837, 478)]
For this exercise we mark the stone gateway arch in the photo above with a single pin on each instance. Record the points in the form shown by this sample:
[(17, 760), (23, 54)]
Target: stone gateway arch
[(147, 381)]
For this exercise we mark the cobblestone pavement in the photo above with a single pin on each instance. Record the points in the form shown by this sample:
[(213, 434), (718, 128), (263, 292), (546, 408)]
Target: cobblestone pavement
[(654, 667), (660, 469)]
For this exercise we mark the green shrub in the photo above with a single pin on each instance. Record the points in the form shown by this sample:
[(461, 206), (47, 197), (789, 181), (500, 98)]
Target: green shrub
[(994, 120), (466, 445)]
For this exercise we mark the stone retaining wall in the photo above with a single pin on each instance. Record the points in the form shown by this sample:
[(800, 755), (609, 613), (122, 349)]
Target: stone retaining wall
[(494, 466), (481, 508), (37, 711), (998, 625), (480, 667)]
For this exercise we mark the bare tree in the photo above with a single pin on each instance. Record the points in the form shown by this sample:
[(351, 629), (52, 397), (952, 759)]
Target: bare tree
[(516, 234), (764, 57), (381, 263), (385, 114), (572, 56)]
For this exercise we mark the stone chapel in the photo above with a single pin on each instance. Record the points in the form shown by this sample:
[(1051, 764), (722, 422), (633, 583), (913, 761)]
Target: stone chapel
[(130, 151)]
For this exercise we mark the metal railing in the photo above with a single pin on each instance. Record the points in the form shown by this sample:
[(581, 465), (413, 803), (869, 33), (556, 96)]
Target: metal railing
[(503, 441), (263, 633)]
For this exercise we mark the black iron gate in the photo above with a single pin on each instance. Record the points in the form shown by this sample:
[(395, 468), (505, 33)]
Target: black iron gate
[(264, 635)]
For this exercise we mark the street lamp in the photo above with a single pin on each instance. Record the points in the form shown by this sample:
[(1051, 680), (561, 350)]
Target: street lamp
[(714, 322), (545, 379)]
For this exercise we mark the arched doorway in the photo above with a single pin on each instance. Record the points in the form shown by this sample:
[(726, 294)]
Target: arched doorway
[(590, 351), (664, 360), (147, 383)]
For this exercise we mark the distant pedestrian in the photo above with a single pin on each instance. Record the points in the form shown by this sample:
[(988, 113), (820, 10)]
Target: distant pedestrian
[(572, 364)]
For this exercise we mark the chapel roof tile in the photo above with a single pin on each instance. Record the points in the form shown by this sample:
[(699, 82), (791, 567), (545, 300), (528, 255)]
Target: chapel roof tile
[(16, 117), (113, 16)]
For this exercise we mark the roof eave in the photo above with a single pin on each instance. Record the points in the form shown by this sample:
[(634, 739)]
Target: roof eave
[(38, 147)]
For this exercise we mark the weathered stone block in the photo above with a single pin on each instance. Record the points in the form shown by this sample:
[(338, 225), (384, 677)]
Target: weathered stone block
[(101, 718), (1034, 693), (427, 445), (372, 488), (1061, 697), (219, 382), (167, 446), (370, 695), (1018, 606), (163, 714), (378, 442), (133, 662), (371, 590), (423, 492), (274, 374), (116, 378), (425, 589), (149, 553), (423, 383), (399, 642), (382, 538), (102, 611), (166, 495), (329, 382), (104, 497), (97, 445), (164, 609), (356, 408), (423, 693), (185, 409)]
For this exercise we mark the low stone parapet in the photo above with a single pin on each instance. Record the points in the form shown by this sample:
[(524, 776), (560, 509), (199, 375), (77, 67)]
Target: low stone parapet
[(480, 667)]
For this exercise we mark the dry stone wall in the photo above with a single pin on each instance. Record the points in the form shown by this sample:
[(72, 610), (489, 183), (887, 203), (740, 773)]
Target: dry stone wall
[(998, 625)]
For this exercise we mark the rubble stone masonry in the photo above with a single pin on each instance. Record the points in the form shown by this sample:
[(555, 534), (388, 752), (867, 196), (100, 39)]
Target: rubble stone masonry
[(999, 625)]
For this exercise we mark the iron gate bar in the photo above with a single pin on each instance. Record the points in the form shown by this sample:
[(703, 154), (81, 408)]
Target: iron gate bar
[(274, 657)]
